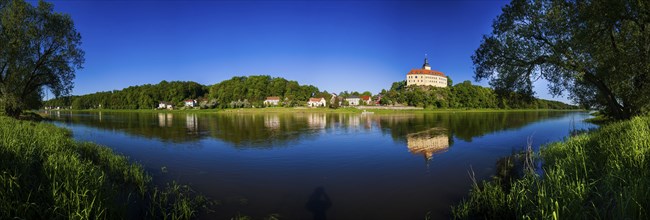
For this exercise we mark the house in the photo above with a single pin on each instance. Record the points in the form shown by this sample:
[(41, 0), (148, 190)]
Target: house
[(353, 100), (366, 99), (190, 103), (272, 100), (165, 105), (378, 100), (316, 102)]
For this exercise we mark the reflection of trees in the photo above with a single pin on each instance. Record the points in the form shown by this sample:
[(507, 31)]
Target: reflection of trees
[(256, 130), (464, 125)]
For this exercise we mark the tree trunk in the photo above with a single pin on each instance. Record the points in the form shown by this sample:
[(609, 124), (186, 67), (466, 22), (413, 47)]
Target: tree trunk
[(617, 110)]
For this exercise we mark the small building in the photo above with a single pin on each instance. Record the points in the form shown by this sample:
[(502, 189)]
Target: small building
[(165, 105), (272, 100), (353, 100), (316, 102), (366, 99), (426, 76), (190, 103)]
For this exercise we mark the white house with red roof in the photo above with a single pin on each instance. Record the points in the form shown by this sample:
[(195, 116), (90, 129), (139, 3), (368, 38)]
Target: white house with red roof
[(316, 102), (272, 100), (426, 76), (190, 103), (366, 99)]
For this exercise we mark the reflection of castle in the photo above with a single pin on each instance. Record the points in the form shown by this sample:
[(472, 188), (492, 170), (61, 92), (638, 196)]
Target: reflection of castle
[(165, 119), (427, 144)]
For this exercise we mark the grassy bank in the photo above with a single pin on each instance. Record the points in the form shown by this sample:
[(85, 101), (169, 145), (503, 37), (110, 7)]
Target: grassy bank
[(45, 174), (603, 174)]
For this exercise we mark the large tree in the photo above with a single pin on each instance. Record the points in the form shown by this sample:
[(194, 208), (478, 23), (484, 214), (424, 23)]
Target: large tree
[(39, 49), (598, 51)]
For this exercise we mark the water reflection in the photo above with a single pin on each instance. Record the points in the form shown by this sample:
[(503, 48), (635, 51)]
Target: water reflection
[(423, 133), (428, 143), (318, 204)]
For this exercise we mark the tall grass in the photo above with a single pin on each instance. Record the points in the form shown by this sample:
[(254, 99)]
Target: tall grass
[(45, 174), (603, 174)]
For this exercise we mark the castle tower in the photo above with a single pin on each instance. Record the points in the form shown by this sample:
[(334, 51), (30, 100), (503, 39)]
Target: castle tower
[(426, 63)]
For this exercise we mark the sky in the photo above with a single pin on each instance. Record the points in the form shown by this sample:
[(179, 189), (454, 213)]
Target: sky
[(334, 45)]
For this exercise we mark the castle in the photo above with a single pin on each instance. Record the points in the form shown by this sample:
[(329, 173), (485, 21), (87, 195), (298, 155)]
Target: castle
[(426, 76)]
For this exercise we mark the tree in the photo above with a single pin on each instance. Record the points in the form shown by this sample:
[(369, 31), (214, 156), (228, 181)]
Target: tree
[(598, 51), (38, 49)]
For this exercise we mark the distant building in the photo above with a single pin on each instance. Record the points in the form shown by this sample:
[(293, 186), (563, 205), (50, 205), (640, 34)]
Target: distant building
[(316, 102), (190, 103), (353, 100), (165, 105), (366, 99), (426, 76), (272, 100)]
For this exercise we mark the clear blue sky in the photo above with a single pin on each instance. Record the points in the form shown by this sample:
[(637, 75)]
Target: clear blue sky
[(334, 45)]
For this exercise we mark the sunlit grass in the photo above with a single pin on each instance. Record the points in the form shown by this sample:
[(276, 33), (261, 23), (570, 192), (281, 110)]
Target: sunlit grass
[(603, 174), (45, 174)]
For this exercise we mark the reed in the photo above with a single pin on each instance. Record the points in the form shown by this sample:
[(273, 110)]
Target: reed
[(603, 174), (45, 174)]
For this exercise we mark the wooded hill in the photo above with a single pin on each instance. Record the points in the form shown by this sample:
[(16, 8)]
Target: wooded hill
[(244, 92)]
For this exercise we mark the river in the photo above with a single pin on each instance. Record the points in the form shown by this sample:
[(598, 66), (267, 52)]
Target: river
[(315, 165)]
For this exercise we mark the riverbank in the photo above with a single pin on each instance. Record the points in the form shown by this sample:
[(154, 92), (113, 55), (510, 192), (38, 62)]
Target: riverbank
[(44, 173), (316, 110), (601, 174)]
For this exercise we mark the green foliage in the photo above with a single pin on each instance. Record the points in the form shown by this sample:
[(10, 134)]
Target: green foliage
[(463, 95), (135, 97), (255, 89), (38, 49), (599, 175), (595, 50), (45, 174)]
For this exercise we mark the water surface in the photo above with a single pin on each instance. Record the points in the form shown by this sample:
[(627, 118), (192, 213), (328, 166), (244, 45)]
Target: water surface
[(314, 165)]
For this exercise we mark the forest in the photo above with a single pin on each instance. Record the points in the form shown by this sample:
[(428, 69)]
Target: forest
[(251, 91), (464, 95)]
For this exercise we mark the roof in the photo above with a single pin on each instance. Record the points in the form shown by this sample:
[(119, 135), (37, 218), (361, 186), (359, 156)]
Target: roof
[(352, 97), (315, 99), (365, 97), (189, 100), (166, 103), (427, 72), (272, 98)]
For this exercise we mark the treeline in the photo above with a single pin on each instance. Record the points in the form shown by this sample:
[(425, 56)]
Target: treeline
[(237, 92), (251, 91), (135, 97), (463, 95)]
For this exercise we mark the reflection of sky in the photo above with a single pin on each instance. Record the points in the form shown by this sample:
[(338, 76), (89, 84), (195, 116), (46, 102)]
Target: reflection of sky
[(367, 173)]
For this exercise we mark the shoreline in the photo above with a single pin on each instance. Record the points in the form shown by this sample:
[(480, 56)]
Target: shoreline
[(311, 110)]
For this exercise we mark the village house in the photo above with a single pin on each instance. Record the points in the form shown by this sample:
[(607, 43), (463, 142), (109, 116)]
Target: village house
[(426, 76), (190, 103), (165, 105), (366, 99), (353, 100), (272, 100), (316, 102)]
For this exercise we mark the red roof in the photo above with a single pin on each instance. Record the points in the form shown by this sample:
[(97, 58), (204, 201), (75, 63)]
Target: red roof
[(315, 99), (365, 97), (272, 98), (423, 71)]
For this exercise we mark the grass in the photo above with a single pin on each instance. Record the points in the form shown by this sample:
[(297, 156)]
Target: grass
[(603, 174), (45, 174)]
